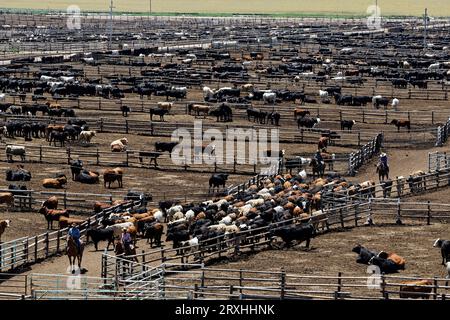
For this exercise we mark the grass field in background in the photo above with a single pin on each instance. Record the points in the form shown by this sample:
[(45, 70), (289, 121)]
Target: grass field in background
[(226, 7)]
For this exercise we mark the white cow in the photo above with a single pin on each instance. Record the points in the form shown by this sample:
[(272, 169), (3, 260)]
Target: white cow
[(208, 93), (117, 228), (395, 103), (86, 136), (119, 145), (323, 94), (434, 66), (270, 97), (2, 97)]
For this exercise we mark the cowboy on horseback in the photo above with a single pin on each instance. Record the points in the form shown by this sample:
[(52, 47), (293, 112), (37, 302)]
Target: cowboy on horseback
[(319, 158), (75, 234), (384, 160)]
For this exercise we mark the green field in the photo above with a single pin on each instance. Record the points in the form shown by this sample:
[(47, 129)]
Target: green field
[(272, 7)]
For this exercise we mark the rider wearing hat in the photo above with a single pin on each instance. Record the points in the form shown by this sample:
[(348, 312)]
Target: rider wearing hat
[(384, 160), (74, 232), (126, 238), (318, 157)]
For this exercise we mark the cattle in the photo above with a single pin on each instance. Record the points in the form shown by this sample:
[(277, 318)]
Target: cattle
[(386, 185), (55, 183), (7, 198), (379, 100), (60, 137), (111, 175), (119, 145), (307, 122), (88, 177), (395, 103), (416, 289), (385, 265), (165, 146), (217, 180), (323, 143), (12, 150), (158, 112), (269, 97), (153, 233), (198, 108), (300, 113), (18, 175), (86, 136), (98, 235), (3, 225), (299, 233), (444, 245), (125, 110), (51, 203), (399, 261), (347, 124), (117, 228), (416, 181), (53, 215), (364, 254), (75, 168), (177, 237), (65, 222), (165, 106), (401, 123)]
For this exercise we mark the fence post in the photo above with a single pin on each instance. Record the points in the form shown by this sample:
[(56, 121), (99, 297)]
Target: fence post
[(58, 236), (47, 245), (429, 213), (337, 294), (341, 218), (435, 285), (98, 157), (35, 248), (65, 199), (282, 284), (383, 287), (398, 221), (25, 250), (40, 154)]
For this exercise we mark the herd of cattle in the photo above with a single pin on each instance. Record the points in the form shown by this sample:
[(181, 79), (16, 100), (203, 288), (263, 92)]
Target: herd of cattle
[(318, 67)]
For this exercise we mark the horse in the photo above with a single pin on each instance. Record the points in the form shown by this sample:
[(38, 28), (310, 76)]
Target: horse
[(130, 251), (159, 112), (317, 167), (72, 252), (401, 123), (383, 171)]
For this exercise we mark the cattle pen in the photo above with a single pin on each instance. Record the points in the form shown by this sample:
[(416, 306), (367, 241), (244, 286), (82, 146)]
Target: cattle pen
[(90, 119)]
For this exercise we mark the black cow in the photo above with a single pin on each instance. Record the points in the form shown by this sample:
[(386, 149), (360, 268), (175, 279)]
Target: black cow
[(177, 237), (76, 167), (98, 235), (158, 112), (299, 233), (387, 188), (385, 265), (165, 146), (85, 177), (125, 110), (307, 122), (347, 124), (18, 175), (217, 180), (364, 254), (445, 249), (274, 118)]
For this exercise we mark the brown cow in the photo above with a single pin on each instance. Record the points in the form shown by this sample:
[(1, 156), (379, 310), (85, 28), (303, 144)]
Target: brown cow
[(323, 144), (53, 215), (3, 225), (401, 123), (416, 289), (400, 261), (99, 206), (56, 183), (65, 222), (8, 198), (51, 203), (111, 175), (300, 113), (52, 127)]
